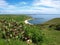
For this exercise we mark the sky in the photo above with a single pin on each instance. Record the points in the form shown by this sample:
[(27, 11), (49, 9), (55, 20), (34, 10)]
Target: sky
[(29, 6)]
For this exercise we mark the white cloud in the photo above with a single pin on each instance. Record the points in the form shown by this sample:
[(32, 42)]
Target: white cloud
[(37, 7), (12, 8), (44, 4), (3, 4), (47, 3)]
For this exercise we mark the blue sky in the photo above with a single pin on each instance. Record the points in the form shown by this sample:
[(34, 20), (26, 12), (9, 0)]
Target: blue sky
[(29, 6)]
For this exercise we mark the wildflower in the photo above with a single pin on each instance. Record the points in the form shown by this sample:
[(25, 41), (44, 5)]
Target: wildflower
[(29, 41)]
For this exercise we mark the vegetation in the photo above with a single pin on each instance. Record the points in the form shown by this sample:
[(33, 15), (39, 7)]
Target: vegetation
[(53, 21), (51, 30), (14, 31), (54, 24)]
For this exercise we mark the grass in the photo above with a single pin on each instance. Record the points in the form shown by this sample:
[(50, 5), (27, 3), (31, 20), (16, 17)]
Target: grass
[(12, 42), (53, 21), (50, 36), (32, 31), (17, 18)]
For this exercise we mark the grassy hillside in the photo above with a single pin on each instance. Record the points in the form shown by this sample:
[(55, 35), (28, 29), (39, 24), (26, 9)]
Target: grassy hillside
[(52, 37), (13, 31), (53, 21), (15, 17), (50, 29), (41, 34)]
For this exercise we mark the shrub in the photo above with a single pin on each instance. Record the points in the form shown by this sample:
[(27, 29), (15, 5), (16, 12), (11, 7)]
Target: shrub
[(55, 26), (16, 30), (35, 34)]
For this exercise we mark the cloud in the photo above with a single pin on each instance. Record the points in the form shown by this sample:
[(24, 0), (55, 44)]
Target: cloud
[(36, 7), (45, 2), (48, 6), (5, 8), (3, 4)]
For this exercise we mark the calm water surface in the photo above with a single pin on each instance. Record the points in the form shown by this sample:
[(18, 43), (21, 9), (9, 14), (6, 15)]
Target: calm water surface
[(39, 19)]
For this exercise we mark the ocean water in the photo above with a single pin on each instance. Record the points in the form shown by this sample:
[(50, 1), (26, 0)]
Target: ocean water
[(40, 18), (37, 21)]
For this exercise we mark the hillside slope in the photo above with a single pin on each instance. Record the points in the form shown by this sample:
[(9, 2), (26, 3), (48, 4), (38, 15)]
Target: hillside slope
[(53, 21)]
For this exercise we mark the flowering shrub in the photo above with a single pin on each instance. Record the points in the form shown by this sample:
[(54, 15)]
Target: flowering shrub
[(16, 30)]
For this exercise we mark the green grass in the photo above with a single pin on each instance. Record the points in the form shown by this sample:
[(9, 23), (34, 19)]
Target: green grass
[(50, 37), (31, 30), (53, 21), (12, 42), (17, 18)]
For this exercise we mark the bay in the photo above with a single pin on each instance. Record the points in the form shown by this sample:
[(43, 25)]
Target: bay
[(41, 18)]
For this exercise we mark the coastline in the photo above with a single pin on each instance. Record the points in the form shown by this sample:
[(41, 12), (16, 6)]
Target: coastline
[(27, 22)]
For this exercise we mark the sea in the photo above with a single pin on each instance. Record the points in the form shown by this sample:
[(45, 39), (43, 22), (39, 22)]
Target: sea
[(42, 18)]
